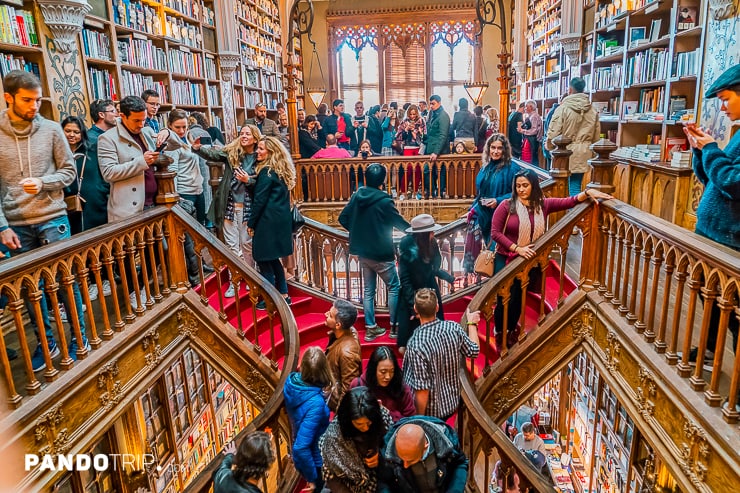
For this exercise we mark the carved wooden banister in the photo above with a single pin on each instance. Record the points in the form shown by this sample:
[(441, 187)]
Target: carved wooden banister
[(483, 442)]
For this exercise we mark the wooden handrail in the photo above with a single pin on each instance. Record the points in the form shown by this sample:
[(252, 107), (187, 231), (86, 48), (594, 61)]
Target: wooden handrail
[(150, 236)]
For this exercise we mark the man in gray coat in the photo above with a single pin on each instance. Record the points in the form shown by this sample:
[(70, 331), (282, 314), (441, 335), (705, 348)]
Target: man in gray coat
[(35, 166), (267, 127)]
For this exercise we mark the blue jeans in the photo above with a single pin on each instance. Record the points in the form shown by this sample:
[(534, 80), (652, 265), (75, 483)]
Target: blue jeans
[(371, 269), (574, 183), (35, 236)]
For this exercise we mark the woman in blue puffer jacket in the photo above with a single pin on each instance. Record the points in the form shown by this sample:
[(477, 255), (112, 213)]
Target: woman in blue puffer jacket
[(305, 400)]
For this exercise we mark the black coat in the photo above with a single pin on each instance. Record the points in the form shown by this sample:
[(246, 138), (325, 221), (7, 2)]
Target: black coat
[(370, 217), (224, 482), (219, 204), (271, 219), (515, 138), (307, 144), (95, 189), (374, 134), (414, 274)]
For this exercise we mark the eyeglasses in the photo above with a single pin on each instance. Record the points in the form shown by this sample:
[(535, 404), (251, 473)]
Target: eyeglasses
[(111, 111)]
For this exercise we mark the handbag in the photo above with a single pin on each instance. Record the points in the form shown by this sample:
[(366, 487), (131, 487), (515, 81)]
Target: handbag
[(74, 202), (297, 219), (484, 261)]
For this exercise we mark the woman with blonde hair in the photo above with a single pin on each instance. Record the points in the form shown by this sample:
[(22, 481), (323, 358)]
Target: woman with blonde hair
[(270, 223), (232, 201)]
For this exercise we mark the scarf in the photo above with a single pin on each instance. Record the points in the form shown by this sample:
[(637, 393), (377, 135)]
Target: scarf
[(526, 235)]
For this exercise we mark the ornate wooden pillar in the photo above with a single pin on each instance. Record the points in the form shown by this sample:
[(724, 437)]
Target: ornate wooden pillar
[(602, 177), (560, 171), (168, 196)]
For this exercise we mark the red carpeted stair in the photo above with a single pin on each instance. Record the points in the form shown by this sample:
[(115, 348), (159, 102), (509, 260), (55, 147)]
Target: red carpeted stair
[(309, 313)]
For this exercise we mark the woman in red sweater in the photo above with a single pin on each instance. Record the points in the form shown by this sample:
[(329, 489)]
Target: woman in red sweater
[(517, 223), (384, 378)]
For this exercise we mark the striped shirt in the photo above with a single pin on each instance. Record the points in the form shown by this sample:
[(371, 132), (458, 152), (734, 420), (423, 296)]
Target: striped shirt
[(434, 354)]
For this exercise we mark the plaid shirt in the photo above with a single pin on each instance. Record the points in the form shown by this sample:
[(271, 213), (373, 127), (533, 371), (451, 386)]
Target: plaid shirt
[(434, 355)]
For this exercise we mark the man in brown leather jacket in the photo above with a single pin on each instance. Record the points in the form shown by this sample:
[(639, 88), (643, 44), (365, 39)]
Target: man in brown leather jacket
[(343, 351)]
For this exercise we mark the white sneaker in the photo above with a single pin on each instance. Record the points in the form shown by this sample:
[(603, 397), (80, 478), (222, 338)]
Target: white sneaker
[(92, 291), (106, 288), (132, 298), (230, 292), (63, 313)]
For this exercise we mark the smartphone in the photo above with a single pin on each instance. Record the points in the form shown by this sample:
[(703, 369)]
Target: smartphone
[(161, 147), (205, 140)]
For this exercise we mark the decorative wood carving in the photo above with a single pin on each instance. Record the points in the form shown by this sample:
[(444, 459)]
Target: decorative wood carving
[(112, 388), (257, 386), (582, 325), (48, 429), (611, 352), (694, 455), (187, 323), (152, 349), (506, 391), (646, 392)]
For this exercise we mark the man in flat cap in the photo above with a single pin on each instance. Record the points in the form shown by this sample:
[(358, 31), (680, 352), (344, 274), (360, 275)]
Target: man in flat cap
[(718, 215)]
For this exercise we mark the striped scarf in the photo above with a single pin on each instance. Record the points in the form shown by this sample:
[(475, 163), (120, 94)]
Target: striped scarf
[(526, 235)]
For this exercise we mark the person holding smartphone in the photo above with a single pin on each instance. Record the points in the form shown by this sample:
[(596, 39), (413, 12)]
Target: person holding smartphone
[(232, 200), (718, 214)]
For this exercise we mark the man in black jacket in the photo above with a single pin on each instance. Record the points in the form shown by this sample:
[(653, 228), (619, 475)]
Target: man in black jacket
[(370, 217), (515, 138), (423, 454)]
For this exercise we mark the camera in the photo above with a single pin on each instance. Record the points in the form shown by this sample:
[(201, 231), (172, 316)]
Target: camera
[(364, 154)]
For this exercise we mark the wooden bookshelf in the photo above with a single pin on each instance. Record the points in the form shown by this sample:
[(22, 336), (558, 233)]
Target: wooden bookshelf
[(643, 68), (167, 46), (259, 77)]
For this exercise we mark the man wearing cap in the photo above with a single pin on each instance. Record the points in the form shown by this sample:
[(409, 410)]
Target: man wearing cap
[(419, 266), (260, 120), (370, 217), (718, 214), (576, 119)]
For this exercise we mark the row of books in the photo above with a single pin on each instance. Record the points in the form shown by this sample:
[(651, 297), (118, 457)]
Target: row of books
[(647, 66), (17, 27), (652, 100), (687, 63), (96, 44), (608, 108), (183, 32), (552, 89), (10, 62), (133, 83), (102, 84), (210, 67), (192, 8), (141, 53), (607, 77), (186, 63), (136, 15), (216, 121), (213, 96), (187, 93)]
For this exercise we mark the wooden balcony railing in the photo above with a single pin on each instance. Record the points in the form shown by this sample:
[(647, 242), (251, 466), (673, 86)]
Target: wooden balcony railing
[(146, 256)]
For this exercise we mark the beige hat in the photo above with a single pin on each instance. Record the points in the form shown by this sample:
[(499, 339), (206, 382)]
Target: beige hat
[(422, 224)]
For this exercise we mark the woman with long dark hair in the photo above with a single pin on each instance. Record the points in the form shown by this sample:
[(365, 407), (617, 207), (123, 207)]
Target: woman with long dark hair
[(517, 223), (493, 185), (351, 445), (242, 470), (419, 266), (76, 134), (270, 221), (384, 377)]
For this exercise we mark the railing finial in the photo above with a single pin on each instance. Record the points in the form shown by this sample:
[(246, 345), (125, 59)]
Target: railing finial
[(602, 176)]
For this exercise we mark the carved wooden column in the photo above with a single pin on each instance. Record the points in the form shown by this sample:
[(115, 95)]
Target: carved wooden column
[(168, 196), (602, 177)]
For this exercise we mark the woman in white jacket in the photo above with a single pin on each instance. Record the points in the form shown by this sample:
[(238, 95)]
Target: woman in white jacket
[(186, 164)]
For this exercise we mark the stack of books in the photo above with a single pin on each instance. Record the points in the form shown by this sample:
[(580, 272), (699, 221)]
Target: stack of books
[(681, 159), (646, 153)]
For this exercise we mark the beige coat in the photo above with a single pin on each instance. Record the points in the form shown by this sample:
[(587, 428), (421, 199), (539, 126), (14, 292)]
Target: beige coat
[(578, 120)]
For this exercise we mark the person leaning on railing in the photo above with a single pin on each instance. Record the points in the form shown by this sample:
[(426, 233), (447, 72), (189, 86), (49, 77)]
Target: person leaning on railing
[(718, 215), (517, 223)]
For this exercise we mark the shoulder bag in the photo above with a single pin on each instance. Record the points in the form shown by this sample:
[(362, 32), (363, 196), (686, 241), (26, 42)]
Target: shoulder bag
[(484, 262), (74, 202)]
